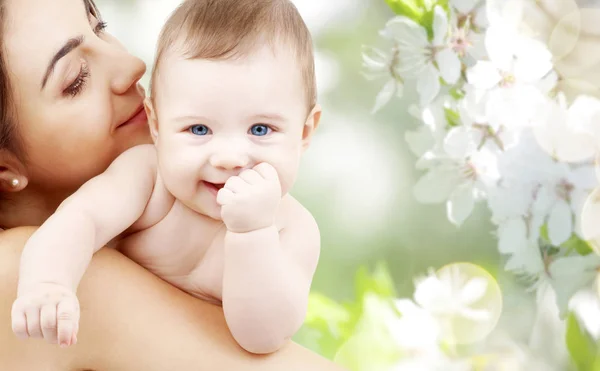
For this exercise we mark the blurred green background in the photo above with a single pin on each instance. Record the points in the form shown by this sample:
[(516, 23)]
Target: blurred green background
[(357, 176)]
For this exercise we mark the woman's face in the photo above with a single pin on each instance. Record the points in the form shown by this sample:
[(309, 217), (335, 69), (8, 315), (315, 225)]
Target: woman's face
[(77, 98)]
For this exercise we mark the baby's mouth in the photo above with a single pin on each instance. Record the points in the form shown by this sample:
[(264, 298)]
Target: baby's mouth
[(214, 186)]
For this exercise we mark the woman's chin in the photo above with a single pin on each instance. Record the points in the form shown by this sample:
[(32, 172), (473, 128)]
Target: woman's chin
[(131, 138)]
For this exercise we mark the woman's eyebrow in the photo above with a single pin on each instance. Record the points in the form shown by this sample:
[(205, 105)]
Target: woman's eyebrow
[(66, 49)]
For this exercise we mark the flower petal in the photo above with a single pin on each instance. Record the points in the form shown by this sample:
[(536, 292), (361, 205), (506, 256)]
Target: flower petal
[(506, 203), (428, 84), (578, 202), (583, 177), (512, 236), (484, 75), (385, 95), (460, 205), (416, 328), (590, 220), (436, 185), (477, 49), (473, 290), (449, 65), (440, 25), (533, 61), (479, 315), (499, 45), (461, 142), (375, 60), (464, 6), (407, 32), (560, 223), (480, 18), (430, 292), (559, 139)]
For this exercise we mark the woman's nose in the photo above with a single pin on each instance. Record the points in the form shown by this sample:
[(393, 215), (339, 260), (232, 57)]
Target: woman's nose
[(128, 70)]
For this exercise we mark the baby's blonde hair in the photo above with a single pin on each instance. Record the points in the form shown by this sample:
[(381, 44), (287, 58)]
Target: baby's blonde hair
[(225, 29)]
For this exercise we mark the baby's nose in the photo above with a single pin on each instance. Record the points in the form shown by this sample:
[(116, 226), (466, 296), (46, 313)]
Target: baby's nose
[(229, 160)]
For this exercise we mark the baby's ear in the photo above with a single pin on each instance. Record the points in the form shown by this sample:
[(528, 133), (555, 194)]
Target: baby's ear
[(311, 124), (152, 120), (12, 173)]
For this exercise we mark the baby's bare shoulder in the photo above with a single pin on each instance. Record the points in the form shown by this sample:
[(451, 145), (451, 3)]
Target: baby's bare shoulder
[(137, 158), (294, 218), (291, 209)]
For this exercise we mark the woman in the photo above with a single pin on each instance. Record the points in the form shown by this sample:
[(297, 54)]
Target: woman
[(69, 104)]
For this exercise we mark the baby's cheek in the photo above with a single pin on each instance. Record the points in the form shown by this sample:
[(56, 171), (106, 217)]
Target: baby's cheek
[(178, 177), (287, 171)]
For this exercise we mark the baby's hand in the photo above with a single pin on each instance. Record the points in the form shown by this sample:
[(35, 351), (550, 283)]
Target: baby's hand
[(250, 200), (48, 311)]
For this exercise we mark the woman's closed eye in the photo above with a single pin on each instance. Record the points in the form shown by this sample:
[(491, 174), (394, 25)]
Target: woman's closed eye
[(100, 27), (260, 130), (200, 130), (77, 85)]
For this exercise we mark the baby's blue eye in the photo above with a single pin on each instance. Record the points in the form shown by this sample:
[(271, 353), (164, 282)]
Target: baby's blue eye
[(199, 130), (260, 130)]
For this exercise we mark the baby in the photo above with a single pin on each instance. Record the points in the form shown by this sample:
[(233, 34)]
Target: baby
[(206, 208)]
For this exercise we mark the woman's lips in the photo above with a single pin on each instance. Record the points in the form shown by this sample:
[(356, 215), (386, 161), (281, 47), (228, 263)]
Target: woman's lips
[(137, 119)]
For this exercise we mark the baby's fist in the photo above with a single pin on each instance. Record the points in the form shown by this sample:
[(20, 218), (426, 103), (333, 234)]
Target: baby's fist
[(48, 311), (250, 200)]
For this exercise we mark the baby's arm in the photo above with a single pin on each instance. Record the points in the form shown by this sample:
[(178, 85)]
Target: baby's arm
[(267, 281), (58, 253), (267, 273)]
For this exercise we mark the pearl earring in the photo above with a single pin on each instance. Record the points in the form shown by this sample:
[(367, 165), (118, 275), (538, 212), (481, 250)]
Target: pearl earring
[(14, 183)]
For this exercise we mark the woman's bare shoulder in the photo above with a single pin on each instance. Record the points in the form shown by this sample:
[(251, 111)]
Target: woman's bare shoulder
[(132, 320)]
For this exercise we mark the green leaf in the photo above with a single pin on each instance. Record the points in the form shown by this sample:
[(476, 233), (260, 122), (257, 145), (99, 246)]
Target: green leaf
[(430, 4), (367, 351), (380, 282), (544, 233), (427, 18), (327, 323), (581, 346), (322, 307), (570, 274), (408, 8), (596, 364), (371, 348), (573, 243), (452, 117), (577, 244), (457, 93)]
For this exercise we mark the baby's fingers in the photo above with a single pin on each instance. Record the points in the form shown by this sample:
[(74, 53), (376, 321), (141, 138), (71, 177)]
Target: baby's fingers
[(19, 321), (48, 323), (33, 321), (225, 196), (67, 314)]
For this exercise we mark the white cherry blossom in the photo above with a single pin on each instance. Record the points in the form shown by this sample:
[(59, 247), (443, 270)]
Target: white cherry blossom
[(377, 64), (514, 82), (423, 59), (569, 133)]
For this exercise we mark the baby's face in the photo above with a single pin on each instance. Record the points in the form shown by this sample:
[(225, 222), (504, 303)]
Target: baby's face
[(217, 118)]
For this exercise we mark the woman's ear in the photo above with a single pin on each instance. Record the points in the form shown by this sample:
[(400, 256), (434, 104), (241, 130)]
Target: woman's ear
[(12, 172), (311, 124), (152, 120)]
